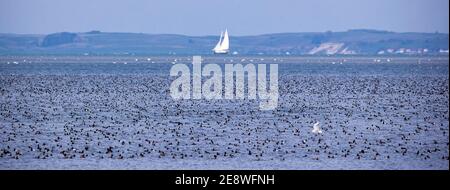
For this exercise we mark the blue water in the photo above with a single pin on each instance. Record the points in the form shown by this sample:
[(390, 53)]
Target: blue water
[(137, 68)]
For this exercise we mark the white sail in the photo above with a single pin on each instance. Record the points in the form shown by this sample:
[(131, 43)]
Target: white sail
[(218, 43), (226, 42), (223, 45)]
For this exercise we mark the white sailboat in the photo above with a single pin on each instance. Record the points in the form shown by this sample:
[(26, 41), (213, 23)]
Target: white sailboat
[(223, 46)]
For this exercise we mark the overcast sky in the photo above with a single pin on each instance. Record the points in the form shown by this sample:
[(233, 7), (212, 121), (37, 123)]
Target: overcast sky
[(206, 17)]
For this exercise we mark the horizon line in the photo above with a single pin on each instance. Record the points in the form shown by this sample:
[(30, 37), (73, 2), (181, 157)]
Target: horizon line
[(260, 34)]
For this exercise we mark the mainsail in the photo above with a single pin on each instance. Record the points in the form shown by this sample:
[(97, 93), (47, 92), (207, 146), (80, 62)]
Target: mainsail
[(224, 44)]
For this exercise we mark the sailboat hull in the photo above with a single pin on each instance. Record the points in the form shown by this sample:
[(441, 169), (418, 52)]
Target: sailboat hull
[(220, 51)]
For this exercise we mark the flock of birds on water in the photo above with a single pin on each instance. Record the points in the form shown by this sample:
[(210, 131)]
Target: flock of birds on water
[(318, 118)]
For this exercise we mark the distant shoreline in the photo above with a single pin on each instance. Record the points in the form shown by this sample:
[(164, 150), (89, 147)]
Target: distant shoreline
[(347, 43)]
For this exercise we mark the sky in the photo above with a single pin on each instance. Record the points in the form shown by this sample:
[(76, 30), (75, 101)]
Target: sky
[(209, 17)]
